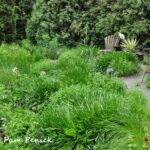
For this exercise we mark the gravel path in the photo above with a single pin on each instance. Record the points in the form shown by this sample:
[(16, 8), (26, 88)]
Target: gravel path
[(135, 81)]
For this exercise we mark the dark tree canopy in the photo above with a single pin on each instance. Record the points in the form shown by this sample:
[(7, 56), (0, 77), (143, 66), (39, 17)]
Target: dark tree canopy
[(74, 21), (88, 21), (14, 15)]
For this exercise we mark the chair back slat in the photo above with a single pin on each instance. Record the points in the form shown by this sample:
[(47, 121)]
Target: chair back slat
[(111, 41)]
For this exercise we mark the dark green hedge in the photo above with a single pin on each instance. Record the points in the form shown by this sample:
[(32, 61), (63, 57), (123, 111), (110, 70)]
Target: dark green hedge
[(14, 15), (88, 21), (73, 21)]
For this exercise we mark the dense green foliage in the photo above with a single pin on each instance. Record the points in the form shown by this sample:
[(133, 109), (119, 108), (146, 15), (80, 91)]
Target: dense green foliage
[(88, 21), (68, 100), (122, 63), (14, 15), (86, 117), (74, 21), (146, 75), (71, 95), (148, 81)]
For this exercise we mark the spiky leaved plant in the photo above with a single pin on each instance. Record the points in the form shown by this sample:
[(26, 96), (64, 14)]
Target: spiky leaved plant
[(129, 44)]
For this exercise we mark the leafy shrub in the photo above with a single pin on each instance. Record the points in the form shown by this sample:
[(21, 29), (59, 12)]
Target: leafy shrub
[(12, 146), (20, 92), (17, 125), (51, 47), (123, 63), (37, 51), (88, 21), (12, 116), (26, 44), (45, 49), (14, 19), (29, 92)]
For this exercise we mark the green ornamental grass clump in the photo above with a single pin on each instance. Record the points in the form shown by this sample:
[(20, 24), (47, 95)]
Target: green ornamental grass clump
[(45, 66), (14, 56), (122, 63), (88, 117), (73, 69), (148, 81), (146, 75)]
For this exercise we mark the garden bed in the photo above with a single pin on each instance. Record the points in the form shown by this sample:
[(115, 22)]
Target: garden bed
[(71, 100)]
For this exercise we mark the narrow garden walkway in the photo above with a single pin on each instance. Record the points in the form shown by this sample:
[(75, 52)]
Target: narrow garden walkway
[(135, 81)]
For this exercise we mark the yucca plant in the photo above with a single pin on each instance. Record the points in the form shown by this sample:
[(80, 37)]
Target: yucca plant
[(129, 44)]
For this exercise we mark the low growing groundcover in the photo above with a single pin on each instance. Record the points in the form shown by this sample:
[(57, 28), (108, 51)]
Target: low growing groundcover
[(71, 100)]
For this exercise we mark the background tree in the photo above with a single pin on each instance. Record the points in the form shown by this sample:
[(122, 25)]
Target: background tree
[(14, 15), (88, 21)]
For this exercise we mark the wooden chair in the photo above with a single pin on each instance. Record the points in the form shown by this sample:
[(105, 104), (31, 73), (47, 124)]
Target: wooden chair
[(111, 42)]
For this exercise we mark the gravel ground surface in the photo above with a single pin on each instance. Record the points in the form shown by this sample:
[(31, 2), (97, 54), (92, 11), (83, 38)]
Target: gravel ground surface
[(136, 81)]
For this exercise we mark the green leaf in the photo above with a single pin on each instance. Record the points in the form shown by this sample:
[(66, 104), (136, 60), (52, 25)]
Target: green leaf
[(71, 132)]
